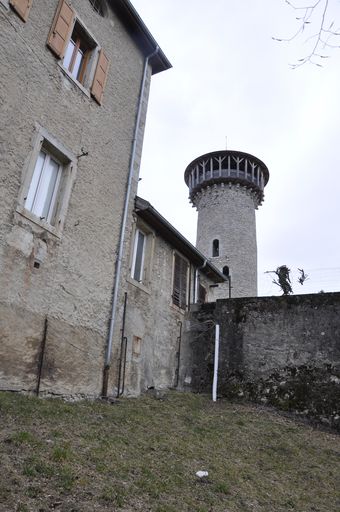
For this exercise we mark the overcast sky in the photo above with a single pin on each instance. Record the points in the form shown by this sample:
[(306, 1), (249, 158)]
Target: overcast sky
[(231, 79)]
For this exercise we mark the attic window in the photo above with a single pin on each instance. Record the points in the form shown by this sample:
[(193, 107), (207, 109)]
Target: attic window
[(99, 7)]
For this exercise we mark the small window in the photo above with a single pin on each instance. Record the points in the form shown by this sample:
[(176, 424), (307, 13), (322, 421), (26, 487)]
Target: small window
[(180, 282), (138, 256), (78, 53), (43, 190), (99, 7), (225, 271), (215, 248)]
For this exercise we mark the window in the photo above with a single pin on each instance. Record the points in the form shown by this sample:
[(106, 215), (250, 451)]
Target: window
[(78, 53), (180, 282), (138, 256), (81, 58), (44, 187), (47, 183), (225, 271), (215, 248), (99, 7)]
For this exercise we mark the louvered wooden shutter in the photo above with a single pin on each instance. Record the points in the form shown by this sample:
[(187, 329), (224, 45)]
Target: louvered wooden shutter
[(21, 7), (202, 293), (179, 292), (100, 76), (61, 29)]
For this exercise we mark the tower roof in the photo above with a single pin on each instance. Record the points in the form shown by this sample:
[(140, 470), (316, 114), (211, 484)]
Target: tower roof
[(227, 166)]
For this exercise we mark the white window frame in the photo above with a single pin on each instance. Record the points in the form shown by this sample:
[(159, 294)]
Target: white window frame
[(149, 248), (37, 187), (44, 141), (134, 257), (91, 64)]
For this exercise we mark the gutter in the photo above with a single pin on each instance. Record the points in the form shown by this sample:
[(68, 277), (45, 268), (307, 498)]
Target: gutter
[(108, 353)]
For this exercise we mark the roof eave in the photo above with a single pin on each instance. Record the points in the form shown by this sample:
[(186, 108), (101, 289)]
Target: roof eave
[(154, 219), (141, 34)]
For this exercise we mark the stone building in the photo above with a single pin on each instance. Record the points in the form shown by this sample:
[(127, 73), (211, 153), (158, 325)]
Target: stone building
[(74, 84), (165, 277)]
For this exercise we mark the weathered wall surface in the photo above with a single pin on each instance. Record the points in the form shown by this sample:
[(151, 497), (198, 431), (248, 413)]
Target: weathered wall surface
[(74, 283), (153, 323), (228, 214), (279, 350), (65, 360)]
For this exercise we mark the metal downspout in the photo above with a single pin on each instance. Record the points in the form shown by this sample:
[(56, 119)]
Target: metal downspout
[(123, 227)]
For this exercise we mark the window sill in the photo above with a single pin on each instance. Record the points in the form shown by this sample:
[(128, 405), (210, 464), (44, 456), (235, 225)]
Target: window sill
[(138, 285), (38, 222), (178, 309), (73, 80)]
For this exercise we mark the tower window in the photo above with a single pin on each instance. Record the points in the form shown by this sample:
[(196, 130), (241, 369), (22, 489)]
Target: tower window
[(215, 248), (225, 271)]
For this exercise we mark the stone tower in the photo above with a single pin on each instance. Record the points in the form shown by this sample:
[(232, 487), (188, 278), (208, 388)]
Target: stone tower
[(226, 187)]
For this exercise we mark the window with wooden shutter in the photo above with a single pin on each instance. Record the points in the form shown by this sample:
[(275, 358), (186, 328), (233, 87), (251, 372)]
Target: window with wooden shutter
[(61, 29), (100, 76), (180, 278), (21, 7)]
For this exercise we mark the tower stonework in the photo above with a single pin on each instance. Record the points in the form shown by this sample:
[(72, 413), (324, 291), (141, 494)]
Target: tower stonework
[(227, 187)]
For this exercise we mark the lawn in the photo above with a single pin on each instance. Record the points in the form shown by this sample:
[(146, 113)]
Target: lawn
[(143, 454)]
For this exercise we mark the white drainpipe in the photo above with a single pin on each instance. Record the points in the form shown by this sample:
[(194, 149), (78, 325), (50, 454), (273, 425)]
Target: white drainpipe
[(108, 353), (217, 349)]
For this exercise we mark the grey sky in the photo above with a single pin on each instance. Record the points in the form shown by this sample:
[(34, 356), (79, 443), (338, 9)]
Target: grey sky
[(231, 79)]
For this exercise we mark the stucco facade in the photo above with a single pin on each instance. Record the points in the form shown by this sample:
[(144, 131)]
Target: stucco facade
[(56, 280)]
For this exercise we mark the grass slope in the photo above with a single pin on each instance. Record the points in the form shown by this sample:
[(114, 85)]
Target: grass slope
[(142, 455)]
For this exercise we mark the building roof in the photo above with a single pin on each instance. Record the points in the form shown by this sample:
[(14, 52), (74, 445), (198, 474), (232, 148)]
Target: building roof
[(140, 34), (154, 219)]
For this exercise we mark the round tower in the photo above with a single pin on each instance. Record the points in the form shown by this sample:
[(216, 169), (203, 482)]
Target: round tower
[(227, 187)]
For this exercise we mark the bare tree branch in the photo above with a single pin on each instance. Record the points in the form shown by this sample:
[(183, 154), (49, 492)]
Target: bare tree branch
[(323, 37)]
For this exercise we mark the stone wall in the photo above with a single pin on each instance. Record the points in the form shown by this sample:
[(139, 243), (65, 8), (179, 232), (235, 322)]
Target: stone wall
[(153, 323), (38, 351), (283, 351), (73, 284), (228, 214)]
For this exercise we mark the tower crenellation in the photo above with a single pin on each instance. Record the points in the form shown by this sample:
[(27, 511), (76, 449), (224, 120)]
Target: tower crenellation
[(226, 187)]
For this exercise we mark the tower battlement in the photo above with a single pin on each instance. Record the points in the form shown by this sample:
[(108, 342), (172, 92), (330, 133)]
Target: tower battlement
[(231, 167)]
